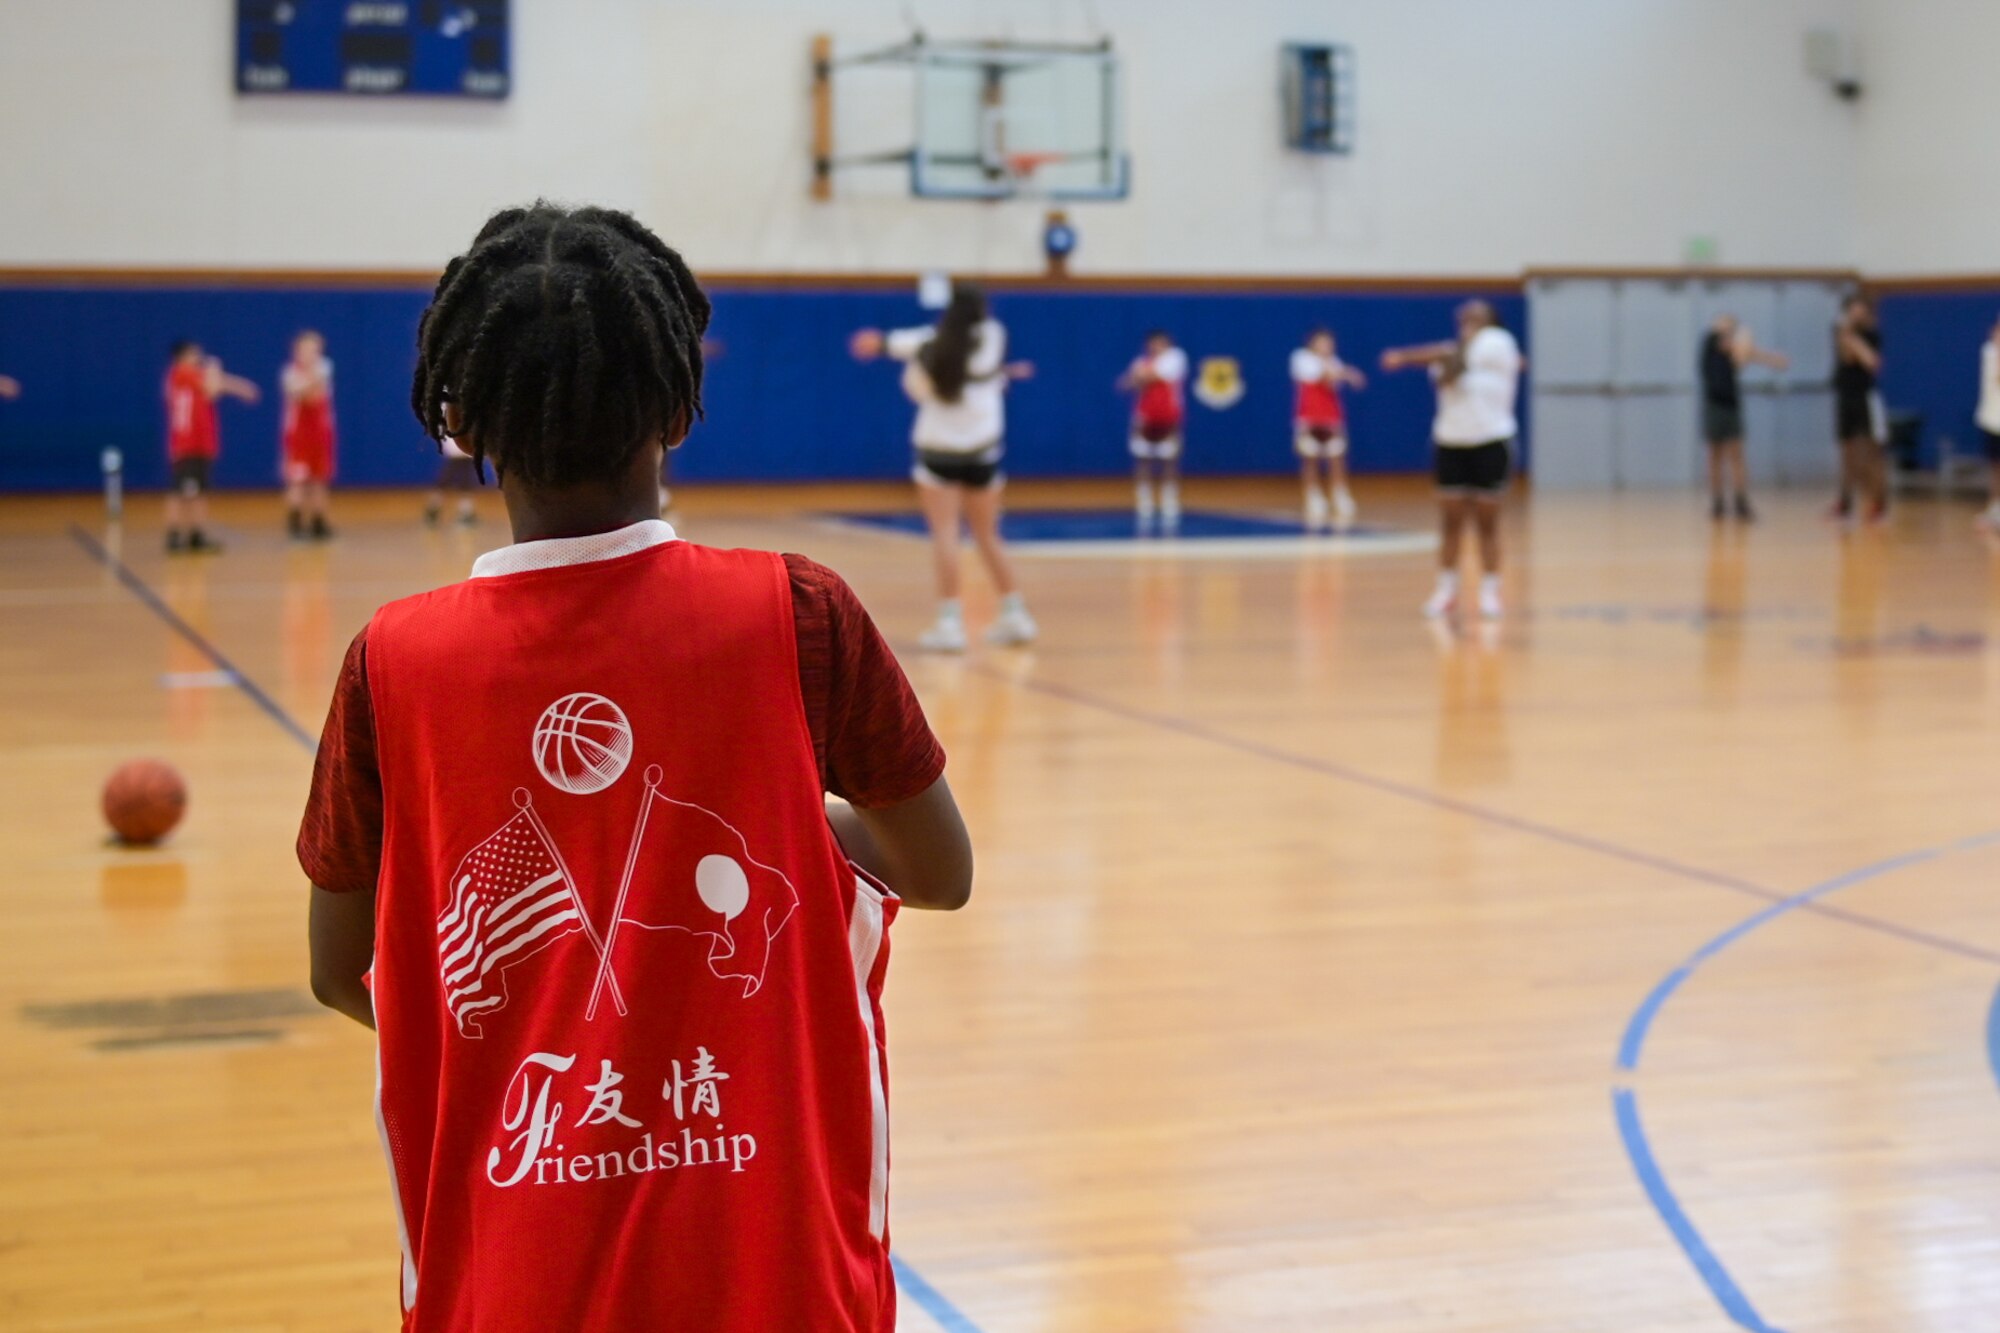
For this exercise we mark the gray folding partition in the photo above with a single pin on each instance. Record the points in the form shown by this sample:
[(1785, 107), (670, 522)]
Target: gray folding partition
[(1617, 389)]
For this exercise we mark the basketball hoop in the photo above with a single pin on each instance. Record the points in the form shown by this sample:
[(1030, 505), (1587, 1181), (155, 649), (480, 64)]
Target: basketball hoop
[(1022, 167)]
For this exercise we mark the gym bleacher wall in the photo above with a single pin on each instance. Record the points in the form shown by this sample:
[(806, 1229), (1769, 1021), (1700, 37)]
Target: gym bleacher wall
[(145, 201), (1929, 202)]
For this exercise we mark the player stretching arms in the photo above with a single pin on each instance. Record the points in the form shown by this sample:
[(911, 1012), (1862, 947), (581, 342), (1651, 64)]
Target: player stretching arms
[(1319, 429), (957, 374), (1860, 423), (1726, 349), (307, 444), (1154, 379), (1477, 377), (194, 382)]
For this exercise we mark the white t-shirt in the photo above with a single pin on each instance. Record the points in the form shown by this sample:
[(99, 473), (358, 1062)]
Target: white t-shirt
[(1170, 365), (1478, 407), (297, 381), (1989, 387), (1309, 367), (978, 420)]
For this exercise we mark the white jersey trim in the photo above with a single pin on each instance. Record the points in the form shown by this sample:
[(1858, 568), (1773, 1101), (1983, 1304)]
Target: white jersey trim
[(864, 941), (557, 552), (395, 1193)]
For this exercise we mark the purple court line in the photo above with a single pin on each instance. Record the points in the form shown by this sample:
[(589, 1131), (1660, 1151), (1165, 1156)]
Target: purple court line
[(1500, 819)]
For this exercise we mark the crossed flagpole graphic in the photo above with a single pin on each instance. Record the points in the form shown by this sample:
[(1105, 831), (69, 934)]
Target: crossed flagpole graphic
[(605, 978), (602, 944)]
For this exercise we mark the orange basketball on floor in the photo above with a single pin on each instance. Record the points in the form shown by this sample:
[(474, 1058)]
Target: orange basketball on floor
[(143, 800)]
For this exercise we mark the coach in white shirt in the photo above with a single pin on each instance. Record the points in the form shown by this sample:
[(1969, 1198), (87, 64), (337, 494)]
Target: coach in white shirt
[(1477, 378), (1989, 419)]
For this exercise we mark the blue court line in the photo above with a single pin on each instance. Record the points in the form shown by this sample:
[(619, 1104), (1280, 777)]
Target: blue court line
[(144, 592), (932, 1301), (1625, 1100), (1993, 1036), (929, 1299), (1498, 818)]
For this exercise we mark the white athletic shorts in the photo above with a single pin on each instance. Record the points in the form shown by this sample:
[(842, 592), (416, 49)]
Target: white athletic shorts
[(1320, 441)]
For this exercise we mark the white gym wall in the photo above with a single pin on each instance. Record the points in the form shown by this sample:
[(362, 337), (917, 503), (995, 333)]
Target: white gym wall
[(1491, 137), (1929, 190)]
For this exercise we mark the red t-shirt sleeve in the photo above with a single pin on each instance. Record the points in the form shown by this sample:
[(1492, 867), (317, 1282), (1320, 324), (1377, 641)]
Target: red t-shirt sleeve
[(869, 734), (340, 839)]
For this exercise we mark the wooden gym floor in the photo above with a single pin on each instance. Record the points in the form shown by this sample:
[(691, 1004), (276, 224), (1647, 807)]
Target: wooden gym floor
[(1323, 971)]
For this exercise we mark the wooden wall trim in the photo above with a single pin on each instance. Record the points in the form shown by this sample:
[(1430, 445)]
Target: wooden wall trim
[(1198, 284), (424, 280), (1942, 282), (1704, 273)]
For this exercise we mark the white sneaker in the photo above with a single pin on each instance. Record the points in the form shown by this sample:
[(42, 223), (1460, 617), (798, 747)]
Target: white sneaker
[(1317, 513), (1012, 629), (1489, 602), (1441, 604), (1343, 508), (1989, 518), (947, 635)]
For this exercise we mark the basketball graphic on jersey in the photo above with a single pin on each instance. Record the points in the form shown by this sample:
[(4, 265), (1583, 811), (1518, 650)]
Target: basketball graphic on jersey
[(582, 743)]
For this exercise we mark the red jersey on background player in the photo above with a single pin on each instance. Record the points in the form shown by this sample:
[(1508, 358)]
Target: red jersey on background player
[(1159, 416), (1319, 429), (194, 441), (569, 816), (306, 438)]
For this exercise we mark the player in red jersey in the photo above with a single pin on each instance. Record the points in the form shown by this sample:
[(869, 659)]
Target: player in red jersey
[(307, 443), (1319, 429), (194, 382), (1154, 380), (572, 855)]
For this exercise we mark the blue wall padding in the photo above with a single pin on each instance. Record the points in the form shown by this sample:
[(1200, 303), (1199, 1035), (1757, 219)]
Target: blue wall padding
[(1930, 358), (785, 401)]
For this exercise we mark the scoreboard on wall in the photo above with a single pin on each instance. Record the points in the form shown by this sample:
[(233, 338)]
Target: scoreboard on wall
[(373, 48)]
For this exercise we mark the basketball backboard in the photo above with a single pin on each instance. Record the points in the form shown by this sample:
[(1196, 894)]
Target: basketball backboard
[(991, 119)]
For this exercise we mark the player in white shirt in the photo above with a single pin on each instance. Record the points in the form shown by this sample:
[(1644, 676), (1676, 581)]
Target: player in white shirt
[(1477, 378), (1159, 414), (1989, 420), (957, 374), (1319, 429)]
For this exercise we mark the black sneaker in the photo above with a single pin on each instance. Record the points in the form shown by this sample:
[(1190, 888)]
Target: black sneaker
[(174, 543), (1718, 509), (468, 518), (295, 524), (1744, 511), (321, 529), (432, 512), (202, 544)]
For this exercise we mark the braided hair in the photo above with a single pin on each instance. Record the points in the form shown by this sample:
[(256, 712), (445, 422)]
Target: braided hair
[(567, 339)]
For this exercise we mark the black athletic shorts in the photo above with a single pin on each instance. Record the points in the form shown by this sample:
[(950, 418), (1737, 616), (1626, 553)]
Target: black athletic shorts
[(1478, 470), (975, 471), (1721, 422), (1992, 438), (191, 475), (1858, 418)]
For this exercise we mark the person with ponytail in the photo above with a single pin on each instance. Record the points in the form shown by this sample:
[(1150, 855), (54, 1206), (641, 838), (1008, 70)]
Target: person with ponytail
[(957, 373)]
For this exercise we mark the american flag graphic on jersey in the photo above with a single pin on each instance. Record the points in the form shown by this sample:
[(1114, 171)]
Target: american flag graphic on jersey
[(510, 899)]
